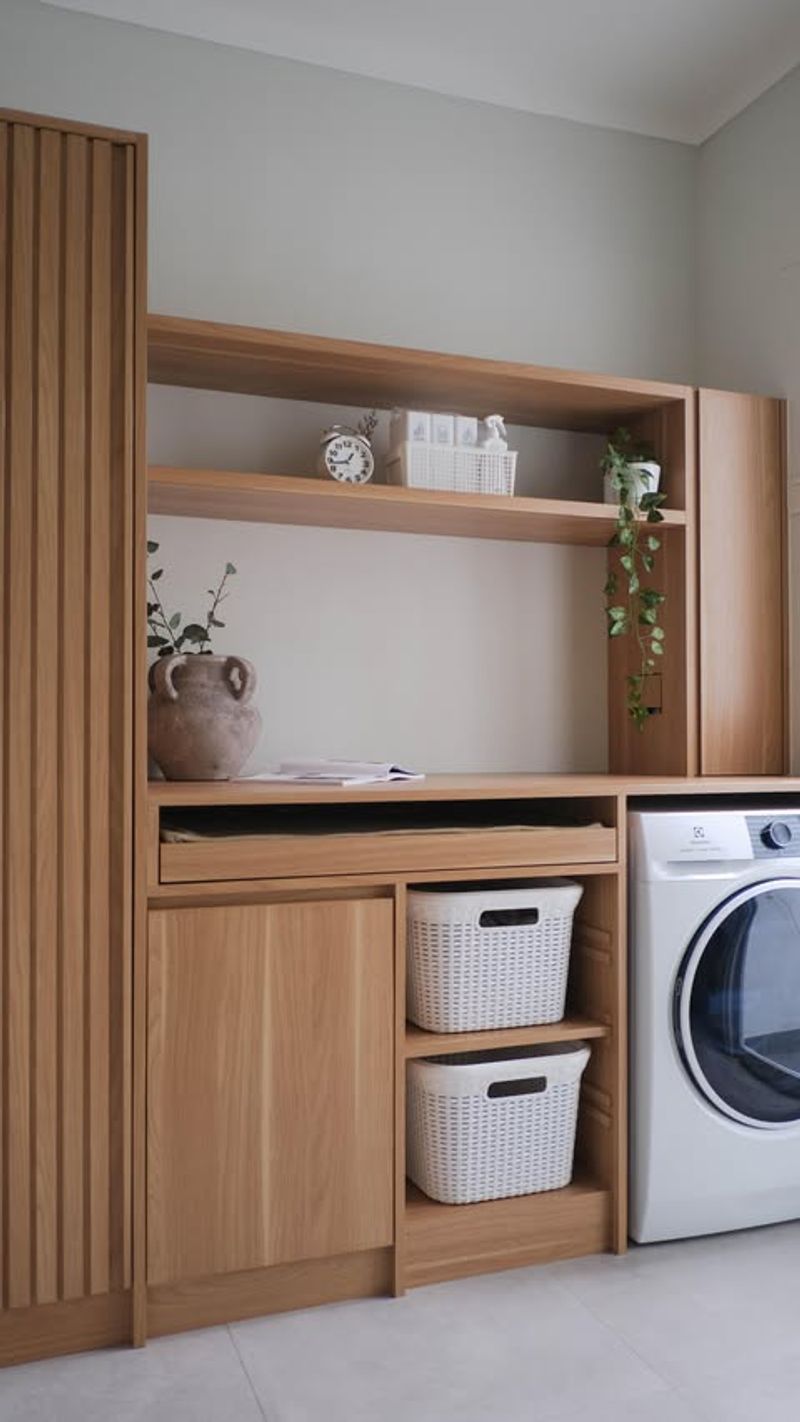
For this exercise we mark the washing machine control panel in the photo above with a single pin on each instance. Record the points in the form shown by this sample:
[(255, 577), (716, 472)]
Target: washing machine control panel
[(774, 835)]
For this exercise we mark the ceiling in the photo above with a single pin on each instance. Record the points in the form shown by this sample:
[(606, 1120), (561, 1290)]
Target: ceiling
[(670, 68)]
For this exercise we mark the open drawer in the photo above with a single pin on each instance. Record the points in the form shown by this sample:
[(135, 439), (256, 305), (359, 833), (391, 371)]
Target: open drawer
[(278, 841)]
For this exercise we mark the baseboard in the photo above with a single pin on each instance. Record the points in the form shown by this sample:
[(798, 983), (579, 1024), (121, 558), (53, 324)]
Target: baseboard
[(223, 1298), (73, 1326)]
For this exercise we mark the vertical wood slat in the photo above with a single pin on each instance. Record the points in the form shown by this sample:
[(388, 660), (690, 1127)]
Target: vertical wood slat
[(68, 312), (4, 143), (98, 672), (74, 641), (48, 653), (18, 885)]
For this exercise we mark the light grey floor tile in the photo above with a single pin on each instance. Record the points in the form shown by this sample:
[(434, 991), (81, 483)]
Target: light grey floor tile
[(691, 1310), (747, 1391), (672, 1406), (511, 1346), (196, 1377)]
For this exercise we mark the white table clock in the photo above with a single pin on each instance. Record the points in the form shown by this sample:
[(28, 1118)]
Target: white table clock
[(346, 455)]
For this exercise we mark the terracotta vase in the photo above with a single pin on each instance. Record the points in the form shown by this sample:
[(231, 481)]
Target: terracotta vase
[(201, 724)]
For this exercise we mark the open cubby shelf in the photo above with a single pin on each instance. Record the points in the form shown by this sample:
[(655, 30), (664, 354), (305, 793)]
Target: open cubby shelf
[(276, 498)]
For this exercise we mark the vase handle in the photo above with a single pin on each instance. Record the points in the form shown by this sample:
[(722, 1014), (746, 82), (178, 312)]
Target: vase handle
[(160, 676), (243, 687)]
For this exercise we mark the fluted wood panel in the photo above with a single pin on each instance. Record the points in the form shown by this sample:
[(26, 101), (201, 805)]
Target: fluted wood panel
[(67, 279)]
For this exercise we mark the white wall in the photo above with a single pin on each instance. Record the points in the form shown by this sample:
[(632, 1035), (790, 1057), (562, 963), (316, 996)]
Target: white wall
[(297, 197), (749, 282)]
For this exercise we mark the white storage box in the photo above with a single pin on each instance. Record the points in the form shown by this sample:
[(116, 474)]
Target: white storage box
[(489, 958), (452, 467), (487, 1125)]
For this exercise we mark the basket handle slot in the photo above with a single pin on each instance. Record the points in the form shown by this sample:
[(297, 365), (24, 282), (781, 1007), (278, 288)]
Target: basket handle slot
[(528, 1086), (508, 918)]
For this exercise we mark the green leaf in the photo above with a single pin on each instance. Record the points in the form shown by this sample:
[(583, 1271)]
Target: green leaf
[(229, 569), (657, 649), (154, 577), (653, 543), (647, 616), (215, 622), (175, 619), (617, 629), (648, 562), (617, 613), (627, 562), (151, 546), (633, 583), (154, 641), (627, 537), (611, 585), (658, 634), (193, 632)]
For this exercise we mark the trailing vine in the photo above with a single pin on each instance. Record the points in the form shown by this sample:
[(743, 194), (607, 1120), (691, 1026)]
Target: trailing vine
[(632, 603)]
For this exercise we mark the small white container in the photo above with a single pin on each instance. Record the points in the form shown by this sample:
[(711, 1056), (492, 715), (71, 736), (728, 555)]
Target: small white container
[(489, 958), (489, 1125), (647, 476), (466, 431), (413, 426), (447, 467), (443, 429)]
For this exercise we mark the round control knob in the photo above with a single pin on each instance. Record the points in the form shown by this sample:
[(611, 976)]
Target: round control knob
[(777, 835)]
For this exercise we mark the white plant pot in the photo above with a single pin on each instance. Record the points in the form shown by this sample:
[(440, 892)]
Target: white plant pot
[(647, 476)]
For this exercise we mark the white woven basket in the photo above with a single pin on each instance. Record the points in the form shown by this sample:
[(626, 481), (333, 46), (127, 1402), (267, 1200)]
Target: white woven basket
[(452, 467), (484, 1127), (489, 957)]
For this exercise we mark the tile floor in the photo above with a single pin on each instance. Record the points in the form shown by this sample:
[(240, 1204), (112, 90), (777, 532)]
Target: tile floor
[(702, 1331)]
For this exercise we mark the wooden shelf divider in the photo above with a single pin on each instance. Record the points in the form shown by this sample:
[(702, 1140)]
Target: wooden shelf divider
[(275, 498), (420, 1043)]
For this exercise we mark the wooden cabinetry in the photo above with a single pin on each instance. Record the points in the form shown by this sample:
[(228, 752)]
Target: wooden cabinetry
[(71, 330), (742, 654), (270, 1085)]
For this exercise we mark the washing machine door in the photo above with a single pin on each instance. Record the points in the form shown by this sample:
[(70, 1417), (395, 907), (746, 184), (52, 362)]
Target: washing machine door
[(737, 1006)]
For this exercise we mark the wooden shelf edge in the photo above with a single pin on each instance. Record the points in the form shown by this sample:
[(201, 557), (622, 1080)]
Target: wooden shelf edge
[(277, 498), (454, 1241), (419, 1043), (217, 356)]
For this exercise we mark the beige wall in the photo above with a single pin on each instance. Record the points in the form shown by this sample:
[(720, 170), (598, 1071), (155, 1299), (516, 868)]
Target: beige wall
[(302, 198)]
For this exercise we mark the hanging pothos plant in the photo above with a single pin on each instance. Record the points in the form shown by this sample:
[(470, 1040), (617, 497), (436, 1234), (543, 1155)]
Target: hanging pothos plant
[(632, 603)]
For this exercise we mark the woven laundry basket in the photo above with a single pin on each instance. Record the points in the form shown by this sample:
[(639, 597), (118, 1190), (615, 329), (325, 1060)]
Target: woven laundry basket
[(488, 1125), (489, 958)]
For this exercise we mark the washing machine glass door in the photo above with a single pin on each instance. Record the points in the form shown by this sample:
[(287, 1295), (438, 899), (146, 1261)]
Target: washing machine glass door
[(737, 1005)]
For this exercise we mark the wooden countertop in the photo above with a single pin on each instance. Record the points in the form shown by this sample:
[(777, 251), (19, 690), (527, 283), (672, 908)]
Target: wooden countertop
[(461, 787)]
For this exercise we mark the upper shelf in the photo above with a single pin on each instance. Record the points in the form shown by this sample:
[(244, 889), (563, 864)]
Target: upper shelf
[(212, 356), (273, 498)]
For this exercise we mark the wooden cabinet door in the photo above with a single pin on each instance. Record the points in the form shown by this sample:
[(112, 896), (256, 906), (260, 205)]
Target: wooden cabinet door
[(742, 585), (72, 305), (270, 1086)]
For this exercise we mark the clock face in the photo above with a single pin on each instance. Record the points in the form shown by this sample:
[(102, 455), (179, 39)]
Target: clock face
[(349, 459)]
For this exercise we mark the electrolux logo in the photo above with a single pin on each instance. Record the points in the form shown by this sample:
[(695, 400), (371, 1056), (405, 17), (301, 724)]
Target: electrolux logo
[(698, 832)]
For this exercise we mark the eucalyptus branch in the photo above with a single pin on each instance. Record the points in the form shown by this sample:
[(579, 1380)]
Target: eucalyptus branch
[(164, 631)]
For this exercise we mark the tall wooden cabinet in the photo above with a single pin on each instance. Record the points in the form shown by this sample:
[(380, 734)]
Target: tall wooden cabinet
[(71, 302)]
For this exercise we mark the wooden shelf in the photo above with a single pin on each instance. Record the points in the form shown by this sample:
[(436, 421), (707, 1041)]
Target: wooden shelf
[(275, 498), (452, 1241), (208, 355), (436, 1044)]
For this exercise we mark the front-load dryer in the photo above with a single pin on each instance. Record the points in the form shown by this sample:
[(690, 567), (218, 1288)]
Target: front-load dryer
[(715, 1020)]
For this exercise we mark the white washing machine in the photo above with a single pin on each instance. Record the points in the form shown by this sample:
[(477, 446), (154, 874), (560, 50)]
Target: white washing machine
[(715, 1020)]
